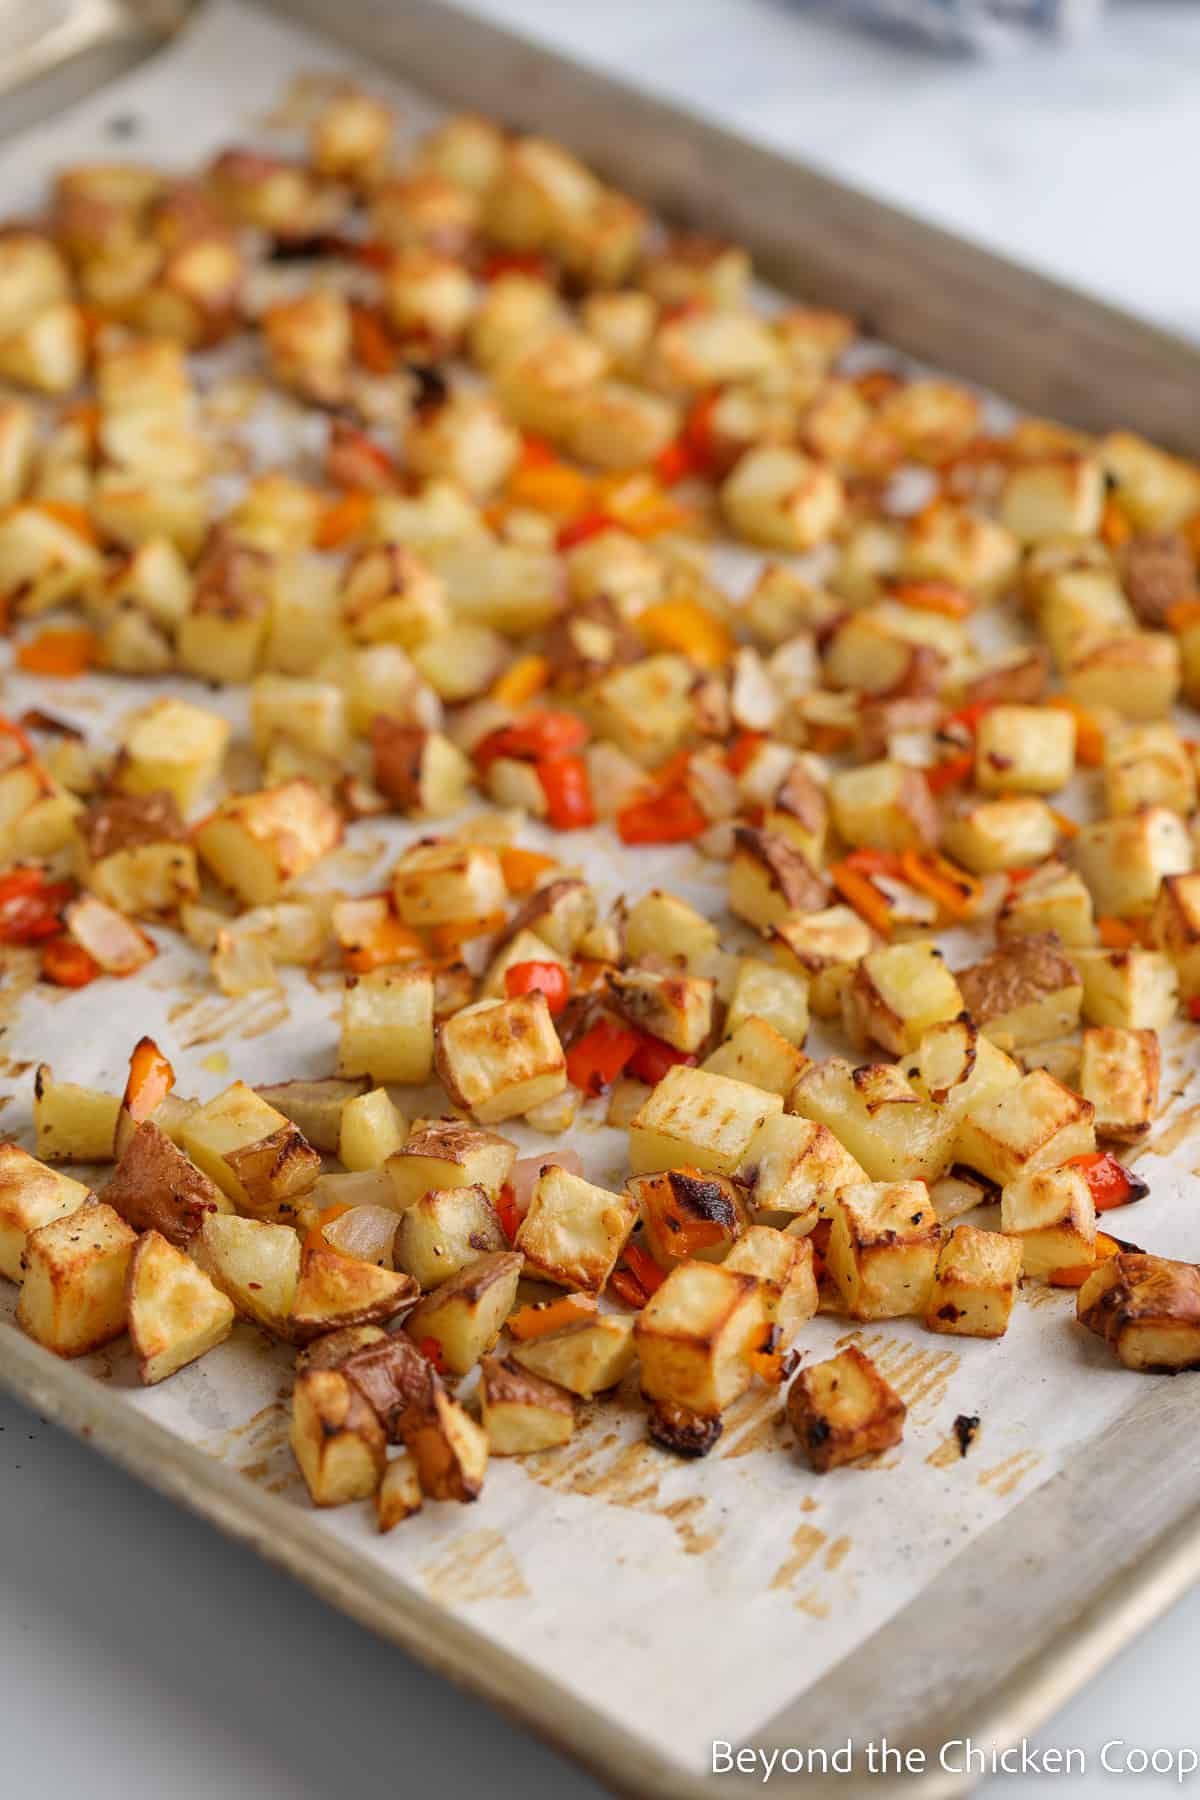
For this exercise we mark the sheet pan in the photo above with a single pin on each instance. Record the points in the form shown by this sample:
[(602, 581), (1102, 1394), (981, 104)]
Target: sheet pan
[(928, 1598)]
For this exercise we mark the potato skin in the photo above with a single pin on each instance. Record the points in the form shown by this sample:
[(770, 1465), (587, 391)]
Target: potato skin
[(155, 1187)]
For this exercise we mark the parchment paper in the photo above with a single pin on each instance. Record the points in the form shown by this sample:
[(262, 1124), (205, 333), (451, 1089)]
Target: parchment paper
[(687, 1601)]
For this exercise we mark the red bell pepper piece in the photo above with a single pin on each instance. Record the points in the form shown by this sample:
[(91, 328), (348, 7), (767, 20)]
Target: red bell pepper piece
[(549, 978), (652, 1058), (542, 735), (664, 818), (675, 463), (1111, 1183), (506, 1212), (968, 717), (568, 790), (643, 1268), (432, 1351), (31, 906), (740, 753), (1194, 1008), (953, 772), (578, 531), (67, 964), (600, 1055)]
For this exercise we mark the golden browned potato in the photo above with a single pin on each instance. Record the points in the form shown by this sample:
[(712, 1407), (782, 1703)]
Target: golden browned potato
[(336, 1291), (1147, 1308), (521, 1412), (175, 1313), (336, 1438), (843, 1409), (75, 1270)]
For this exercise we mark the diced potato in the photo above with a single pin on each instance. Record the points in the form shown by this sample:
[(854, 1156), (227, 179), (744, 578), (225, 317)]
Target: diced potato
[(256, 1264), (522, 1413), (1124, 860), (175, 1313), (877, 1116), (783, 499), (371, 1130), (694, 1118), (1025, 992), (398, 1495), (1052, 1213), (1175, 929), (465, 1315), (1000, 834), (43, 562), (258, 844), (573, 1231), (336, 1438), (443, 882), (1148, 765), (770, 879), (444, 1231), (945, 542), (73, 1124), (976, 1280), (447, 1153), (249, 1150), (315, 1106), (843, 1409), (1155, 490), (155, 1187), (884, 806), (387, 1025), (664, 925), (687, 1214), (883, 1248), (645, 708), (1147, 1309), (693, 1337), (1063, 498), (897, 994), (499, 1059), (957, 1068), (587, 1359), (796, 1167), (422, 772), (336, 1292), (1135, 988), (676, 1008), (1054, 899), (1024, 750), (75, 1271), (171, 745), (460, 662), (1137, 674), (561, 913), (783, 1262), (825, 945), (1119, 1076), (31, 1196), (296, 710), (772, 996), (756, 1053), (1032, 1125), (37, 817)]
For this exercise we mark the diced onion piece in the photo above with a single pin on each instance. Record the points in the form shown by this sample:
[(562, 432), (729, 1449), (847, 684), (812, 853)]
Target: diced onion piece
[(526, 1169), (365, 1232), (754, 699), (713, 786), (242, 964), (718, 842), (363, 1187), (359, 921), (115, 942), (616, 780)]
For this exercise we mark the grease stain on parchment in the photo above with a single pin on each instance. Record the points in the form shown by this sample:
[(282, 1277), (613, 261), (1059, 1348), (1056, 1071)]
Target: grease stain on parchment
[(627, 1476), (1005, 1477), (812, 1553), (475, 1565), (1177, 1132), (205, 1020), (258, 1448)]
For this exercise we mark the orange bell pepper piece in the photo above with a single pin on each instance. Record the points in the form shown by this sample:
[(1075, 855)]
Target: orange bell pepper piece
[(1066, 827), (1116, 527), (67, 964), (1077, 1274), (521, 868), (448, 939), (66, 654), (691, 629), (860, 892), (345, 518), (551, 487), (316, 1239), (952, 771), (370, 340), (1183, 615), (1117, 934), (75, 518), (518, 684), (935, 597), (1089, 738), (956, 892), (550, 1315), (151, 1079), (391, 943)]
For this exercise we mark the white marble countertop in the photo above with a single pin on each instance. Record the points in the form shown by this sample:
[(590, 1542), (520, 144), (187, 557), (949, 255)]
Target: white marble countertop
[(142, 1655)]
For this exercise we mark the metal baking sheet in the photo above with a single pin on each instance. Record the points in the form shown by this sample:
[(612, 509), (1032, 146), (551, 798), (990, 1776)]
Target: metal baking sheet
[(576, 1592)]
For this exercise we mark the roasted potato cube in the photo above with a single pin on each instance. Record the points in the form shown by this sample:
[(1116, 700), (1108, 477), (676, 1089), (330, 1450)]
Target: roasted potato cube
[(444, 1231), (1032, 1125), (1148, 765), (1147, 1308), (646, 708), (30, 1196), (315, 1106), (171, 745), (587, 1359), (1052, 1212), (756, 1053), (175, 1313), (1052, 899), (888, 649), (695, 1118), (1119, 1075), (521, 1412), (1175, 929), (1135, 988), (1137, 674), (573, 1231), (884, 806), (1124, 860), (525, 947), (499, 1059), (975, 1282), (1000, 834), (371, 1131), (73, 1124), (1059, 498), (781, 498), (387, 1025), (336, 1292), (825, 946), (465, 1315), (897, 994), (883, 1248), (770, 879), (796, 1166), (957, 1067), (441, 881), (73, 1288), (694, 1334), (258, 844), (421, 772), (297, 710), (765, 993), (783, 1263), (664, 925), (561, 913), (687, 1214), (336, 1438), (155, 1187), (398, 1495), (843, 1409), (877, 1116), (1025, 992), (257, 1264), (252, 1153), (446, 1153), (1024, 750), (676, 1008)]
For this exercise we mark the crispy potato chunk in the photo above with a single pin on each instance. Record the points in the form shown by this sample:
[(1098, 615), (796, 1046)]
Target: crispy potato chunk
[(883, 1248), (897, 994), (694, 1334), (1025, 992), (398, 1495), (1054, 1216), (974, 1284), (336, 1438), (587, 1359), (500, 1059), (336, 1291), (31, 1196), (465, 1315), (1030, 1125), (1119, 1075), (155, 1187), (446, 1153), (175, 1313), (73, 1124), (695, 1118), (573, 1231), (843, 1409), (75, 1272), (1147, 1308), (521, 1412)]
